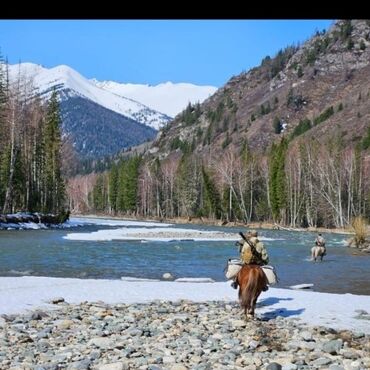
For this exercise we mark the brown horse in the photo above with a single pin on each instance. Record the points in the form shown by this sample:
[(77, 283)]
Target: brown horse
[(252, 280)]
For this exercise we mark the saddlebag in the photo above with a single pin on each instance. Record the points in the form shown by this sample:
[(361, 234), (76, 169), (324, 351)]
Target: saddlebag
[(233, 266), (270, 273)]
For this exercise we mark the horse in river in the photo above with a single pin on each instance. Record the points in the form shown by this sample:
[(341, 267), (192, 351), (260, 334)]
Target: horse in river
[(252, 281), (317, 252)]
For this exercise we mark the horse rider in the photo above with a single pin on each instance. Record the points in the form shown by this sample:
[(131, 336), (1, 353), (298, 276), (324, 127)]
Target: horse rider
[(252, 252), (320, 242)]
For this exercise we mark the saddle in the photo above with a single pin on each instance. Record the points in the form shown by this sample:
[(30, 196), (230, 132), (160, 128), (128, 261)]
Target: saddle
[(234, 265)]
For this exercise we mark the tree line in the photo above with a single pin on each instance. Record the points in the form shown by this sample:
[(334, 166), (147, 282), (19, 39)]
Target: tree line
[(30, 149), (303, 184)]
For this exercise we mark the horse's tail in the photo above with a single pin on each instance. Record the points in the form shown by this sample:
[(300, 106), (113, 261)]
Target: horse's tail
[(257, 280)]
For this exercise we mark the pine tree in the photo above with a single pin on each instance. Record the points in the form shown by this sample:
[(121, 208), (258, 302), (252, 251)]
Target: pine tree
[(54, 188), (277, 179), (127, 185), (4, 171), (4, 147), (113, 188), (212, 201), (131, 200), (98, 194), (187, 184), (121, 186)]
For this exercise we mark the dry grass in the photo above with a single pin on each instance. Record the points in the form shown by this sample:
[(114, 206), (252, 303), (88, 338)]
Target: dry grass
[(359, 225)]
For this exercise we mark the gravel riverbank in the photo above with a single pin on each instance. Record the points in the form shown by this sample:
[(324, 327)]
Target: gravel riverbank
[(172, 335)]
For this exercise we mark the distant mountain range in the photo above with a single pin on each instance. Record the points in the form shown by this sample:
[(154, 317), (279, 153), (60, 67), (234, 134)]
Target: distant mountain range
[(168, 98), (98, 116)]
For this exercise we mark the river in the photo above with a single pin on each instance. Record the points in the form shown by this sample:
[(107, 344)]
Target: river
[(64, 253)]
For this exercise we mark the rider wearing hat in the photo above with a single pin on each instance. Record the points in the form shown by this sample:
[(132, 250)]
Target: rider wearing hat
[(252, 251)]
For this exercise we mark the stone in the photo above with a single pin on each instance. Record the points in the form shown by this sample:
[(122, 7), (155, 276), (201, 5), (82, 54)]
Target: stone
[(65, 324), (99, 342), (161, 335), (273, 366), (322, 361), (80, 365), (336, 367), (333, 346), (57, 300), (289, 367), (112, 366), (178, 367)]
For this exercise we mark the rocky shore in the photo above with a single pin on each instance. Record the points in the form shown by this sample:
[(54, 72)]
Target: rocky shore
[(172, 335), (21, 219), (211, 222)]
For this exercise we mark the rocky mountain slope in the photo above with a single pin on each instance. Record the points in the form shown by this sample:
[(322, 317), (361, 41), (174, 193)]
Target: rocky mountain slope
[(320, 89)]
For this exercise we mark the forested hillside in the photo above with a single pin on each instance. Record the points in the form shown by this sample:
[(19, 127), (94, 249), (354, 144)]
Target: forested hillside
[(97, 131), (287, 141), (30, 151)]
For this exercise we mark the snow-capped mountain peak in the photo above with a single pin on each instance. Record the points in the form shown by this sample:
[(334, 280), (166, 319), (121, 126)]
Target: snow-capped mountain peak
[(70, 83), (102, 118), (168, 97)]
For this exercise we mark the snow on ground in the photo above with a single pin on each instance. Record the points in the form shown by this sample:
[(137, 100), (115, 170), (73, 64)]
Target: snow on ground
[(20, 294), (79, 221), (22, 226), (163, 234), (154, 231), (109, 222)]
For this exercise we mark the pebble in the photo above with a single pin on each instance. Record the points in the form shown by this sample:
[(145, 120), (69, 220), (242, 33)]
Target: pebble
[(178, 335)]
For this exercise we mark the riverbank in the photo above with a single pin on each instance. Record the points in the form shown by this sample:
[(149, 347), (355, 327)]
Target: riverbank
[(19, 294), (94, 325), (211, 222), (29, 220)]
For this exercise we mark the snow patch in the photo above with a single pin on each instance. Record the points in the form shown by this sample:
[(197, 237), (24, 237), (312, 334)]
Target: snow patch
[(163, 234), (194, 280), (21, 294)]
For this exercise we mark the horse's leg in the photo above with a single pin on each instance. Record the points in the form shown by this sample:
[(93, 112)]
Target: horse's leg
[(313, 258), (254, 302), (247, 313), (315, 254)]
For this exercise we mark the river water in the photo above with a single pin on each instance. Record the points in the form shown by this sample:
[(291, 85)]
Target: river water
[(49, 253)]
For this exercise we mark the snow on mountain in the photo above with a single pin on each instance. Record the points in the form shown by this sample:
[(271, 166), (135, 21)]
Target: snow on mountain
[(168, 97), (70, 83)]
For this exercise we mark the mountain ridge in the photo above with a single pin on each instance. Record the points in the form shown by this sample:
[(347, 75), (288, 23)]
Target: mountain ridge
[(63, 77), (319, 81), (93, 116), (167, 97)]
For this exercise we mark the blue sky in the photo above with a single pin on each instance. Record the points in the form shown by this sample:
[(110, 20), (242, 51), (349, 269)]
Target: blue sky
[(204, 52)]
